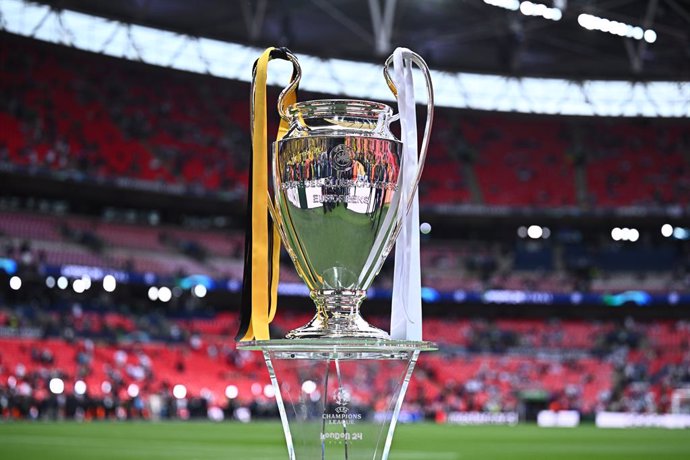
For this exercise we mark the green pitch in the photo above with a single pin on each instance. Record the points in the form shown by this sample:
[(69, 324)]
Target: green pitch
[(263, 441)]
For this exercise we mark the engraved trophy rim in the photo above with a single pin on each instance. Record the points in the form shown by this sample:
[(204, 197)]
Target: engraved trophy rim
[(360, 108), (340, 117)]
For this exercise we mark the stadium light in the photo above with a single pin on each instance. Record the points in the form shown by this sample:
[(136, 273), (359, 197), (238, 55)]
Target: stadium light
[(667, 230), (231, 391), (535, 232), (269, 391), (80, 387), (308, 386), (179, 391), (133, 390), (62, 283), (15, 283), (78, 286), (592, 22), (109, 283), (153, 293), (512, 5), (164, 294), (625, 234), (86, 282), (539, 9), (56, 386), (649, 36), (50, 282), (199, 291), (681, 233)]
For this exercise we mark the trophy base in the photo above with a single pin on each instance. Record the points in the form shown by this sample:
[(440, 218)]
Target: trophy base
[(351, 326)]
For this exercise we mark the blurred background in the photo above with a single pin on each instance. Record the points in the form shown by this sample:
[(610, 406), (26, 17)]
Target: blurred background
[(557, 188)]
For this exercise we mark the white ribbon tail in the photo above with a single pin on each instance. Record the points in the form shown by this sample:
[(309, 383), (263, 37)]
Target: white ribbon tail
[(406, 310)]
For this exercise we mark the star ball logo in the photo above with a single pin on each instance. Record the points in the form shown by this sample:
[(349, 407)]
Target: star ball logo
[(341, 157), (342, 398)]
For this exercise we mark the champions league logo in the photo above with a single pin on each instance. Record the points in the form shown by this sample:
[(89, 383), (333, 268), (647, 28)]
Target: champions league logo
[(341, 158), (342, 398)]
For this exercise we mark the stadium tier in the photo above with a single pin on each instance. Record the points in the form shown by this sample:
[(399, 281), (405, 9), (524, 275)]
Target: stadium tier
[(35, 241), (99, 119), (123, 360)]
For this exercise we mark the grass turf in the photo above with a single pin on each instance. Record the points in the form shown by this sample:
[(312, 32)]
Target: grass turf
[(264, 441)]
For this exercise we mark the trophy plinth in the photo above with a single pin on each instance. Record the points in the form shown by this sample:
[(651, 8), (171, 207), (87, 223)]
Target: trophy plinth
[(339, 398)]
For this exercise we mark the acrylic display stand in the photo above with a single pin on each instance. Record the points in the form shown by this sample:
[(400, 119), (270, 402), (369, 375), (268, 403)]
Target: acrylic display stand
[(321, 386)]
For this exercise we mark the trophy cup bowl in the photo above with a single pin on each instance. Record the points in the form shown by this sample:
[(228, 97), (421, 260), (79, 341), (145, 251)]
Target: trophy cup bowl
[(337, 207)]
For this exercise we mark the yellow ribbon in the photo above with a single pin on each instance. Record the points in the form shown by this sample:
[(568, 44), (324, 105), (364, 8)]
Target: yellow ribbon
[(265, 237)]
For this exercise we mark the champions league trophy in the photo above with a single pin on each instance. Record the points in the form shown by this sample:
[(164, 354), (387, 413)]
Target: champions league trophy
[(342, 192)]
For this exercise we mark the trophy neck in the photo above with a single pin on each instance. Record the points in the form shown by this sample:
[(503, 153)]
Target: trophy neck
[(335, 302)]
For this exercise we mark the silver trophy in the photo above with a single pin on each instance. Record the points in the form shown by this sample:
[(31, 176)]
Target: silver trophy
[(338, 184), (336, 179)]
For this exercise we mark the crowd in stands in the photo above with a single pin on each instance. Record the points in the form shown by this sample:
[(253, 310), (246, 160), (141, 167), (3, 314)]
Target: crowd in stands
[(38, 239), (115, 364), (95, 118), (48, 239), (483, 365)]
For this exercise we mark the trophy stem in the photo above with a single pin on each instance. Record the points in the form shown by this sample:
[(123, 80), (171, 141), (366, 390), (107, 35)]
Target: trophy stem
[(337, 316)]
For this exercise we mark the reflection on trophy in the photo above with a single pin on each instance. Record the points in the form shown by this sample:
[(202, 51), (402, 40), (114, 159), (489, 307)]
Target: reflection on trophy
[(337, 195)]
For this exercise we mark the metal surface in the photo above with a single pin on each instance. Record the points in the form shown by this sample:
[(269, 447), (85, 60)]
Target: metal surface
[(336, 180)]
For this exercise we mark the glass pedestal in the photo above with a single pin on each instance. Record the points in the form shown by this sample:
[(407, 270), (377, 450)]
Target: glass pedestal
[(339, 398)]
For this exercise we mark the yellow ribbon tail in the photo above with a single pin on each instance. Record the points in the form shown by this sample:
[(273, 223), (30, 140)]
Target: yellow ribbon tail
[(262, 249)]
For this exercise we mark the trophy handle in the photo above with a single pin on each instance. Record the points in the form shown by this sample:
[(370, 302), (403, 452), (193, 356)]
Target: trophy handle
[(286, 55), (292, 86), (417, 59)]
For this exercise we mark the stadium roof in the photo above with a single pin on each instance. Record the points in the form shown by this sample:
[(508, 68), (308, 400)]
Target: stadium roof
[(142, 30), (465, 35)]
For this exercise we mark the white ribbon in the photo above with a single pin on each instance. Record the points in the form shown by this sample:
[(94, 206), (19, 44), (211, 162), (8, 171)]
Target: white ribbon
[(406, 311)]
